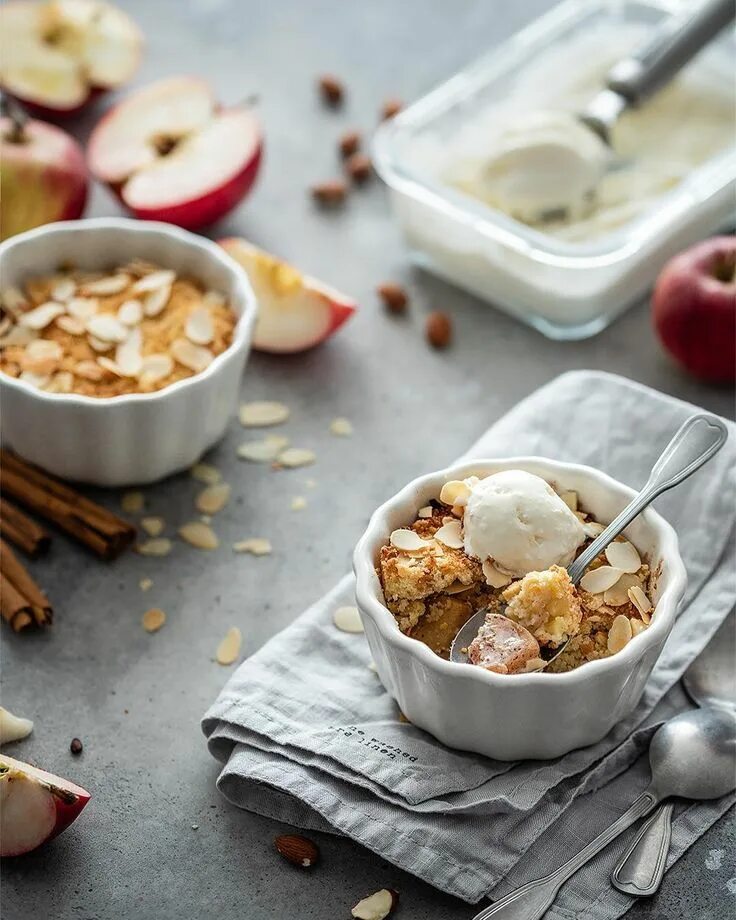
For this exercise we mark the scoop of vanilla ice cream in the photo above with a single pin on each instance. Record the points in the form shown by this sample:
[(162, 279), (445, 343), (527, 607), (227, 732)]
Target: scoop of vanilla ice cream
[(520, 522)]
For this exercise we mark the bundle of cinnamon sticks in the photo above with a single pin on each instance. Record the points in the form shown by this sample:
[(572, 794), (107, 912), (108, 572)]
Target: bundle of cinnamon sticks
[(22, 603)]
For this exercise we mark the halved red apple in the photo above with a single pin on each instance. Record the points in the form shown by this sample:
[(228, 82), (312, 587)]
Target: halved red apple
[(55, 56), (34, 806), (295, 312), (172, 153)]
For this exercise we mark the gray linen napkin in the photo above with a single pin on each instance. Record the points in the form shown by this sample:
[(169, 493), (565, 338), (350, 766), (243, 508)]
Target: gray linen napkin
[(308, 735)]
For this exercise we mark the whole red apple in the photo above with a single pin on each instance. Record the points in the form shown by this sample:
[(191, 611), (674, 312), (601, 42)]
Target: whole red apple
[(694, 309), (43, 176)]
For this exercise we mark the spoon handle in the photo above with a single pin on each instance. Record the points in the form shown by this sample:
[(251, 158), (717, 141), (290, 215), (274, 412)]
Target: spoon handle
[(531, 901), (641, 868), (697, 440)]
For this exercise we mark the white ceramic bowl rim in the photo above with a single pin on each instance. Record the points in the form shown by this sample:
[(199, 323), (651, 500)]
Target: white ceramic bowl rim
[(243, 326), (368, 600)]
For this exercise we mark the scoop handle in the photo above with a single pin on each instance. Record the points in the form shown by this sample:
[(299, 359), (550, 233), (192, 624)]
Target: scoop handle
[(675, 43), (695, 442), (641, 868)]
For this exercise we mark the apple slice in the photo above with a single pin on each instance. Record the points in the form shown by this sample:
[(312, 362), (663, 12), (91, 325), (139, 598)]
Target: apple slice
[(55, 56), (295, 311), (172, 153), (34, 806)]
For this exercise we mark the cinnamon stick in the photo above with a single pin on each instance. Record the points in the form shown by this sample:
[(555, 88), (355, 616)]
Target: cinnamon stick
[(98, 529), (22, 531), (22, 602)]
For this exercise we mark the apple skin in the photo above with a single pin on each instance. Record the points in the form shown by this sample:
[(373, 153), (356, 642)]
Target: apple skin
[(694, 309), (43, 178)]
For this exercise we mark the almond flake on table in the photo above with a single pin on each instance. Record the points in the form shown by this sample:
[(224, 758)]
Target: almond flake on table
[(153, 619), (199, 535), (256, 546), (204, 472), (145, 584), (155, 301), (293, 457), (159, 546), (341, 427), (154, 281), (130, 313), (154, 368), (229, 649), (213, 498), (42, 316), (153, 526), (199, 327), (194, 357), (310, 483), (380, 904), (106, 328), (450, 534), (642, 603), (12, 727), (494, 577), (596, 581), (618, 594), (89, 370), (82, 308), (262, 451), (623, 555), (132, 502), (263, 413), (105, 287), (205, 518), (63, 290), (347, 619), (298, 503), (408, 540), (71, 324)]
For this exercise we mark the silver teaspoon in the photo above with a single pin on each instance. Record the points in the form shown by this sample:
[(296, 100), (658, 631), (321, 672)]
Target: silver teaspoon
[(710, 681), (679, 750), (696, 441)]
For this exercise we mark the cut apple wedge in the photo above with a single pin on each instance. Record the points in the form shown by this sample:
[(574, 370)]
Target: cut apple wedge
[(55, 56), (172, 153), (295, 312), (34, 806)]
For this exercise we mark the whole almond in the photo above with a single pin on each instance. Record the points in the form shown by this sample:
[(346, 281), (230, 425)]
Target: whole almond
[(393, 296), (390, 108), (349, 143), (331, 193), (439, 329), (331, 89), (299, 851), (359, 167)]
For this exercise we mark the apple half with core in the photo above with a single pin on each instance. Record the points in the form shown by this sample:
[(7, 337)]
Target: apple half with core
[(694, 309), (34, 806), (172, 153), (295, 312), (55, 56), (43, 175)]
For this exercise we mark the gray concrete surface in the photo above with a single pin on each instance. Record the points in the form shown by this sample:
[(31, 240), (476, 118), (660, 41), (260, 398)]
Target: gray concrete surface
[(136, 699)]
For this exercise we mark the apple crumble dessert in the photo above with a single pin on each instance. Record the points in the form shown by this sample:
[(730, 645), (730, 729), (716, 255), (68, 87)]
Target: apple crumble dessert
[(501, 543), (135, 329)]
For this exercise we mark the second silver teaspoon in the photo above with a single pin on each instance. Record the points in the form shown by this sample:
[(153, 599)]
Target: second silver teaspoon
[(696, 441)]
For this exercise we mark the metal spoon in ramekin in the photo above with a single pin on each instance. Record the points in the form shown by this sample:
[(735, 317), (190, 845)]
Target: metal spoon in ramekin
[(697, 441)]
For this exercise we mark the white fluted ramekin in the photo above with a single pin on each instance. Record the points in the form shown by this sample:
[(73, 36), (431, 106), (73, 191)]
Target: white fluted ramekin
[(513, 717), (140, 437)]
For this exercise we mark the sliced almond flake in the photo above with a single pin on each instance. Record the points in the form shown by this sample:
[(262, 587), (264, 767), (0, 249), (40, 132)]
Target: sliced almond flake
[(154, 281), (128, 355), (619, 593), (298, 503), (18, 335), (341, 427), (596, 581), (262, 451), (155, 301), (106, 287), (130, 312), (623, 555), (154, 368), (592, 528), (408, 541), (229, 649), (140, 267), (145, 584), (262, 414), (213, 498), (426, 512), (205, 473), (493, 576), (109, 365), (6, 324), (256, 546), (450, 534), (570, 498), (637, 626), (42, 316), (83, 308), (347, 619), (89, 370), (153, 526), (457, 587), (619, 635), (153, 619), (14, 301), (199, 327), (63, 290), (199, 535), (132, 502), (107, 328), (535, 664), (71, 324), (98, 344), (35, 380), (61, 382), (639, 599), (455, 492), (41, 356), (293, 457), (214, 299), (194, 357), (161, 546)]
